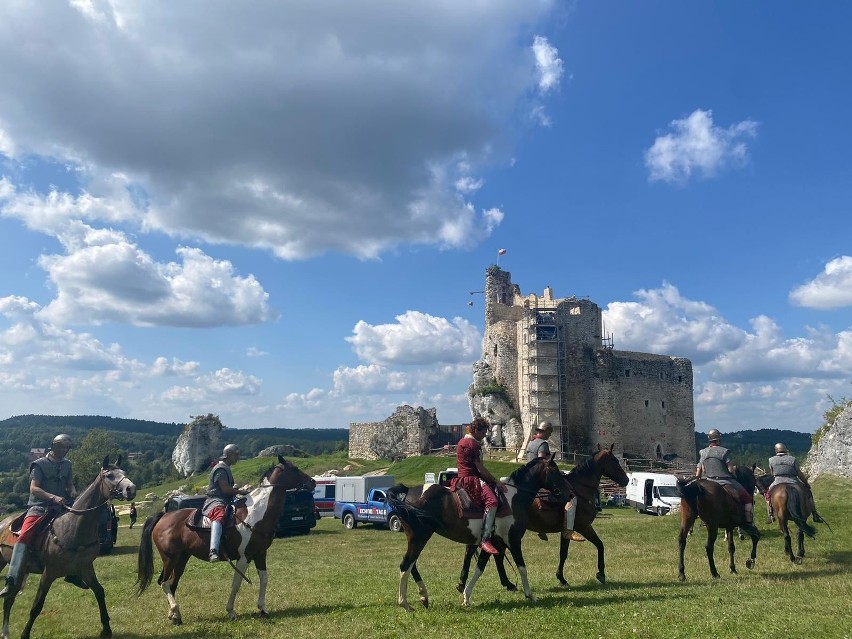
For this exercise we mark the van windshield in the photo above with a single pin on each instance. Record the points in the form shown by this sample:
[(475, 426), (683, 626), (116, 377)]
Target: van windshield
[(668, 491)]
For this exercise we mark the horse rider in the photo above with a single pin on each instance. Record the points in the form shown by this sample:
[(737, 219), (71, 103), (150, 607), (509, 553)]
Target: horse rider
[(220, 495), (475, 478), (51, 486), (538, 447), (714, 463), (784, 468)]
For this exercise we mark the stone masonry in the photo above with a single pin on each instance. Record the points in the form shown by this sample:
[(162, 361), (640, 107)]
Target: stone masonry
[(403, 434), (554, 363)]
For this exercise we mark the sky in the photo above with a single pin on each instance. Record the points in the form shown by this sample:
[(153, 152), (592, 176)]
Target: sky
[(281, 212)]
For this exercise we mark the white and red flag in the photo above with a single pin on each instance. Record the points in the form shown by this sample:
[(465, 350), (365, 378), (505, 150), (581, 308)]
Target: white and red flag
[(501, 252)]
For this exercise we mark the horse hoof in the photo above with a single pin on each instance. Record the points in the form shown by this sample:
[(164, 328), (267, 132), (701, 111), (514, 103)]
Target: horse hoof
[(232, 616), (106, 634), (406, 607), (798, 561), (749, 563), (601, 577), (263, 614), (532, 599), (176, 621), (424, 601), (681, 577), (511, 588), (460, 587)]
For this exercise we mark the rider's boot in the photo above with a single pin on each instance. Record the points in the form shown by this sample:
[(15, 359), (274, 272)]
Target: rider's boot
[(748, 527), (570, 515), (487, 530), (215, 539), (16, 564)]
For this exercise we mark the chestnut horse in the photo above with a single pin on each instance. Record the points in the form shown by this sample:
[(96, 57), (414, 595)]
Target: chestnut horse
[(716, 507), (248, 540), (585, 480), (435, 510), (70, 546), (789, 503)]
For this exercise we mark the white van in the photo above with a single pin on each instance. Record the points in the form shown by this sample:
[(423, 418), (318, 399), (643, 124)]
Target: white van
[(653, 493)]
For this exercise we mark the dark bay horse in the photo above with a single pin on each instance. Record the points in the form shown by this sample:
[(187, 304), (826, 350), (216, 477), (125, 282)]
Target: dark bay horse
[(716, 507), (434, 510), (585, 480), (256, 519), (789, 503), (71, 545)]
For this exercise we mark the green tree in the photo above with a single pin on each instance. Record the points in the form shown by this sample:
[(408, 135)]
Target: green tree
[(88, 457)]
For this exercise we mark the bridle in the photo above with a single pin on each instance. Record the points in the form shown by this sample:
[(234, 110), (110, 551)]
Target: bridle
[(114, 493)]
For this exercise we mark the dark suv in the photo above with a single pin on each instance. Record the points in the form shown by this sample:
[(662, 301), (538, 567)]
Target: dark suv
[(107, 528)]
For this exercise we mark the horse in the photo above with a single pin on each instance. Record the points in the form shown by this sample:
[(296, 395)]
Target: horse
[(585, 480), (70, 546), (716, 507), (789, 503), (434, 509), (246, 541)]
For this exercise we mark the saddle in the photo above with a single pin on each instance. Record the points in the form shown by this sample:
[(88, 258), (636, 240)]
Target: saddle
[(42, 530), (198, 521), (545, 500), (470, 509)]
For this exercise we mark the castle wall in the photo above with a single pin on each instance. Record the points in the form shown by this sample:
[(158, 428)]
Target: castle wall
[(403, 434)]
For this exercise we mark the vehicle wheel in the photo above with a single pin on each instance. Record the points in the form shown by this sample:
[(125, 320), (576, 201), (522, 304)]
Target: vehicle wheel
[(395, 523), (349, 521)]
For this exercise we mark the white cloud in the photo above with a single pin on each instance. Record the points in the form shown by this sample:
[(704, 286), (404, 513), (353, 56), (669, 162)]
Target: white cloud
[(695, 145), (253, 351), (163, 367), (301, 129), (830, 289), (547, 64), (417, 339)]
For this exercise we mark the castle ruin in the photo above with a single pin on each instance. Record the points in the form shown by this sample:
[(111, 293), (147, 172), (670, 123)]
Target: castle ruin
[(554, 363)]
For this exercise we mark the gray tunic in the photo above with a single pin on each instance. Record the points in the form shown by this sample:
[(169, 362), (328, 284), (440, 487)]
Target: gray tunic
[(53, 476), (215, 496), (536, 447), (785, 469)]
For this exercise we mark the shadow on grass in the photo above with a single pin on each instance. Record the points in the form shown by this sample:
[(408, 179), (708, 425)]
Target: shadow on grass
[(120, 550)]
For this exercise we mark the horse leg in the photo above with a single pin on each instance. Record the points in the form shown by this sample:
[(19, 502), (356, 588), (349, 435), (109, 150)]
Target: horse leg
[(712, 534), (263, 575), (469, 551), (729, 535), (499, 563), (687, 521), (88, 575), (801, 537), (7, 611), (590, 535), (563, 556), (43, 586), (783, 524), (236, 582), (481, 563), (173, 567), (416, 544), (518, 557)]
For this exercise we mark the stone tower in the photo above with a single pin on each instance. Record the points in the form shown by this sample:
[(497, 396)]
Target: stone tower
[(551, 357)]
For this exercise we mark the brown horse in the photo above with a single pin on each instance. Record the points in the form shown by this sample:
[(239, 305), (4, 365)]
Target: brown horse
[(246, 541), (70, 546), (717, 508), (789, 503), (585, 480), (434, 510)]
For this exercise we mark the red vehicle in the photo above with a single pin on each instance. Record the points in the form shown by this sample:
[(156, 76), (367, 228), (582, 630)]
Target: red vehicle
[(324, 494)]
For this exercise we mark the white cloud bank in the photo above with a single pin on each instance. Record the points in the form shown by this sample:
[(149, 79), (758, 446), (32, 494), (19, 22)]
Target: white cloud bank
[(830, 289), (695, 145)]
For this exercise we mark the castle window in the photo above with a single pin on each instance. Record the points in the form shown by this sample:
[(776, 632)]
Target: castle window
[(659, 452), (679, 379), (495, 350), (627, 372), (663, 404), (662, 375), (575, 310), (646, 403), (545, 333)]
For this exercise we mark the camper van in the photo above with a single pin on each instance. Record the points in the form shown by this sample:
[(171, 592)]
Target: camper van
[(653, 493)]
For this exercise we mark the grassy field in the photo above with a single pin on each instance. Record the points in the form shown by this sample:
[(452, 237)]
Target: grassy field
[(339, 583)]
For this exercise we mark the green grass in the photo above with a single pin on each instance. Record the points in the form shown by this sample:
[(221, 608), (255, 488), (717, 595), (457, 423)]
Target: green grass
[(335, 582)]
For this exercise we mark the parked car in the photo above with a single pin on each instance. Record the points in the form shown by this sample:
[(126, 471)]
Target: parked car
[(107, 529), (184, 501)]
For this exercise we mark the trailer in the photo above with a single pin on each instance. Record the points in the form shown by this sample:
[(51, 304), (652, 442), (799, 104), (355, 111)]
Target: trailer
[(653, 493), (364, 499)]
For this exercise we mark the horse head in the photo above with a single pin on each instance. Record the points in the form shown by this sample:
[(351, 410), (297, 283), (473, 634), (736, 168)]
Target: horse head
[(288, 476), (764, 482), (609, 466), (114, 481), (545, 472), (745, 476)]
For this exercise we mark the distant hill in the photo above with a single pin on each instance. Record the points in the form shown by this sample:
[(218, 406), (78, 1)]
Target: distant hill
[(757, 446)]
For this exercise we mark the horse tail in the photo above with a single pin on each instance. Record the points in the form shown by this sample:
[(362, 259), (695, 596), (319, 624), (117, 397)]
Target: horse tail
[(409, 513), (794, 507), (690, 490), (145, 560)]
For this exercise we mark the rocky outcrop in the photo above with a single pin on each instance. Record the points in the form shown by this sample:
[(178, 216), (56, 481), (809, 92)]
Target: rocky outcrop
[(506, 430), (198, 445), (282, 449), (832, 454)]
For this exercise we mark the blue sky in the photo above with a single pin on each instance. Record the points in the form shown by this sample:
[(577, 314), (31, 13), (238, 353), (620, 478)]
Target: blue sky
[(275, 212)]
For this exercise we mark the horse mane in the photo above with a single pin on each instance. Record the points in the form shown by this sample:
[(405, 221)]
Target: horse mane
[(585, 466)]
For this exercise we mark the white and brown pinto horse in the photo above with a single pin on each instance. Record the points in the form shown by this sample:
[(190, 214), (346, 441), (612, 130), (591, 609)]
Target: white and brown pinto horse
[(435, 510), (248, 540), (70, 546)]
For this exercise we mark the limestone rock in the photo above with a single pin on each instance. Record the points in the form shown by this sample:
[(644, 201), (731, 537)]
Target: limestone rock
[(506, 430), (198, 445), (833, 453), (403, 434), (282, 449)]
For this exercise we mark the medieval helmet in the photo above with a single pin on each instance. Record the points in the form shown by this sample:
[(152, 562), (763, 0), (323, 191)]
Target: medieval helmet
[(230, 448), (780, 448), (714, 435), (62, 440), (544, 426)]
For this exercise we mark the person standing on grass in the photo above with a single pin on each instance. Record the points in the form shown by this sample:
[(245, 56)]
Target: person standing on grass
[(133, 513)]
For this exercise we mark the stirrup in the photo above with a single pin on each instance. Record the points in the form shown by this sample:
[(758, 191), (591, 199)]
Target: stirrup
[(214, 557), (9, 589)]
